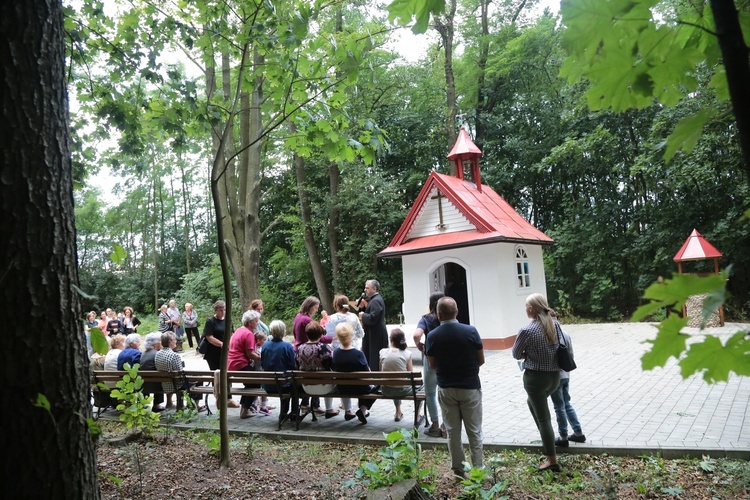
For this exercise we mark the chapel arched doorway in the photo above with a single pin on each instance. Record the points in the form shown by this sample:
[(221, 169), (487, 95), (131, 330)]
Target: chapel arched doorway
[(450, 278)]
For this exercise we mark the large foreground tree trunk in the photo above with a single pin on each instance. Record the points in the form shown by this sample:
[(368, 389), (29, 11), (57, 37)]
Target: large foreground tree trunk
[(46, 454), (737, 65)]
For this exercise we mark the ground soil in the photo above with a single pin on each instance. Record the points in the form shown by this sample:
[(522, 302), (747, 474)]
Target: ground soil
[(180, 465)]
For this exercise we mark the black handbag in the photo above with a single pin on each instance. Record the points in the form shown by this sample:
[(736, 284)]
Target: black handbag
[(564, 357), (203, 345)]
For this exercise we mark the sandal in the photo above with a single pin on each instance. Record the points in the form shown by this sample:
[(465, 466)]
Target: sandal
[(331, 413), (349, 415), (398, 417)]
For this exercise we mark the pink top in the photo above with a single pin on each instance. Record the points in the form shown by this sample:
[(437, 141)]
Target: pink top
[(243, 341)]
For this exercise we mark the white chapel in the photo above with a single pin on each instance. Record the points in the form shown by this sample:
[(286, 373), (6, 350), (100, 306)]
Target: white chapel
[(462, 238)]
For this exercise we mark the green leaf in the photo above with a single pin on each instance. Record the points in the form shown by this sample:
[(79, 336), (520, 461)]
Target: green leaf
[(718, 360), (669, 342), (402, 11), (118, 254), (98, 341), (687, 133), (646, 310), (42, 402)]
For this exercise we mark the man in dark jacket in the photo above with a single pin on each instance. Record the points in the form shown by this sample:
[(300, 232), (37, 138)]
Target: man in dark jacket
[(373, 321)]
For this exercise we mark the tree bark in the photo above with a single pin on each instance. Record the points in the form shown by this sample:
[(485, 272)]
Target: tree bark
[(240, 177), (444, 26), (46, 453), (333, 224), (306, 220), (334, 179), (737, 64), (484, 49)]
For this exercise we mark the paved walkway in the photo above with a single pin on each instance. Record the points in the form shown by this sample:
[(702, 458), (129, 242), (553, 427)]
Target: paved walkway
[(623, 409)]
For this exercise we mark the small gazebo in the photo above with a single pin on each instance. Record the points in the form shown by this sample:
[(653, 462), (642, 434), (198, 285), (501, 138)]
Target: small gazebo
[(695, 248)]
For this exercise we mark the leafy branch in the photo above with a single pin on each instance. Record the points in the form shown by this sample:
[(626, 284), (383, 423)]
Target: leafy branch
[(715, 359)]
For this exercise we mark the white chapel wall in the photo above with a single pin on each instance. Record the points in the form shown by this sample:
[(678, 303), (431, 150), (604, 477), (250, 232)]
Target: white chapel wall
[(496, 305)]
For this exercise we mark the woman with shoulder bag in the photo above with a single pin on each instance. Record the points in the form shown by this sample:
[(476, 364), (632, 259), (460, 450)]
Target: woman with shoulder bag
[(537, 344)]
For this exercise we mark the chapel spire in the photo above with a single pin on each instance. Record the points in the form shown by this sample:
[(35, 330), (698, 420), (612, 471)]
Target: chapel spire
[(465, 159)]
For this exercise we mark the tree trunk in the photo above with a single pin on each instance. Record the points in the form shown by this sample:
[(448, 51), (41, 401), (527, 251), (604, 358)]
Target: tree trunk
[(484, 49), (306, 220), (48, 453), (185, 214), (444, 26), (334, 176), (737, 65), (333, 224), (239, 186)]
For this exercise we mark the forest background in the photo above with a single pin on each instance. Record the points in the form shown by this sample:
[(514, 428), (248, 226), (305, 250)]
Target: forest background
[(317, 137)]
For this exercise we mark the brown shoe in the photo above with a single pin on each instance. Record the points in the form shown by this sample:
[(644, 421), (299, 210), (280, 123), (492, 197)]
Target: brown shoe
[(231, 403)]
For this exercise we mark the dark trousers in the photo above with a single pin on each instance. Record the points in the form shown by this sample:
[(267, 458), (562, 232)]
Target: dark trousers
[(193, 332), (247, 401)]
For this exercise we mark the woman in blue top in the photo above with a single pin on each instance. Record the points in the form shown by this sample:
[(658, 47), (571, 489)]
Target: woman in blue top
[(536, 344), (427, 323), (278, 356)]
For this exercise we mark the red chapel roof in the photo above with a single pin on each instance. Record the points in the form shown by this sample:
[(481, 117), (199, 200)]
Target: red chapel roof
[(492, 217), (696, 247)]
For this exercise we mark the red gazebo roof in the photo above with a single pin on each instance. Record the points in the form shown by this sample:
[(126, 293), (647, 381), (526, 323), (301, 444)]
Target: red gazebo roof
[(696, 247)]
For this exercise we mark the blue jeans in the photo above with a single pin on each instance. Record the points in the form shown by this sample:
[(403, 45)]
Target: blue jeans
[(462, 406), (564, 410), (430, 390)]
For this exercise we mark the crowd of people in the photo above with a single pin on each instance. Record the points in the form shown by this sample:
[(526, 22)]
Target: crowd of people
[(452, 354)]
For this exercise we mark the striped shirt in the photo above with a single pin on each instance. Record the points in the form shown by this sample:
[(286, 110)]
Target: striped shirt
[(532, 345)]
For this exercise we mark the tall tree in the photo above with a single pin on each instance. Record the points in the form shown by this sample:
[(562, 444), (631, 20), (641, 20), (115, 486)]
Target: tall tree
[(49, 451), (444, 26)]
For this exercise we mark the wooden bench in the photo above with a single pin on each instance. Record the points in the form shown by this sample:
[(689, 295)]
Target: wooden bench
[(204, 383), (254, 378), (192, 379), (298, 378), (380, 379)]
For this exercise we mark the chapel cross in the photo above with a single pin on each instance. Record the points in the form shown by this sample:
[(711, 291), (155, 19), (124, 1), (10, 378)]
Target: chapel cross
[(439, 197)]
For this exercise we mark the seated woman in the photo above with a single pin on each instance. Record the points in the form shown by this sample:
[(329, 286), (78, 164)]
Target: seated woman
[(242, 357), (167, 360), (116, 344), (397, 358), (152, 345), (348, 359), (313, 356), (278, 356), (132, 352)]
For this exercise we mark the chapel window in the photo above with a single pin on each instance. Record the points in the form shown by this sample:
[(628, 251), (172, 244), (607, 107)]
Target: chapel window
[(522, 268)]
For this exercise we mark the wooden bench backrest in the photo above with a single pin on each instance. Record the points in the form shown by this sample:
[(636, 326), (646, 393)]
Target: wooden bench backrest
[(113, 377), (394, 379)]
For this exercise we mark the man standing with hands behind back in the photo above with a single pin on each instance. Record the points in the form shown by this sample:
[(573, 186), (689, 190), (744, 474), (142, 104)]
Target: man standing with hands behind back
[(455, 352), (373, 321)]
